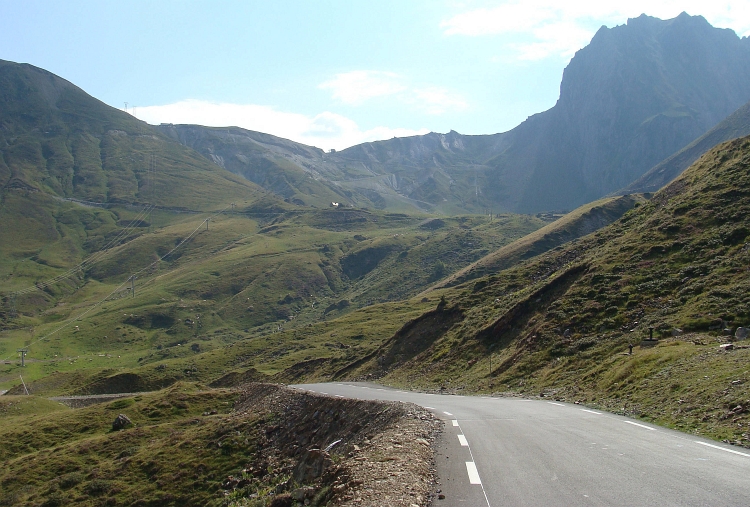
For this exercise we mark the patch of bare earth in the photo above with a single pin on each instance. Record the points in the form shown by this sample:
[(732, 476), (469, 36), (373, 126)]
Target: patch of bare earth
[(341, 452)]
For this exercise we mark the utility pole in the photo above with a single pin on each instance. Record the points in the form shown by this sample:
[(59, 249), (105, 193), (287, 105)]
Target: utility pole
[(132, 285), (23, 352), (126, 107), (207, 220)]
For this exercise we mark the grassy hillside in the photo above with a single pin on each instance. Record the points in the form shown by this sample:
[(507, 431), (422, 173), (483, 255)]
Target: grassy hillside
[(560, 324), (254, 274), (57, 139), (579, 222)]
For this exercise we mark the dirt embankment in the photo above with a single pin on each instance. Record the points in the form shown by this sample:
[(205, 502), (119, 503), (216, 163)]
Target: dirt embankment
[(338, 451)]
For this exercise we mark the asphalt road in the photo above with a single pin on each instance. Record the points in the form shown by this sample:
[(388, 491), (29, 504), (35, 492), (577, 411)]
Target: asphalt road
[(515, 452)]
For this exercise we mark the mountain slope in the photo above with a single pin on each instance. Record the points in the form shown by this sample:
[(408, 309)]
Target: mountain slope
[(735, 125), (57, 139), (579, 222), (560, 324), (634, 96)]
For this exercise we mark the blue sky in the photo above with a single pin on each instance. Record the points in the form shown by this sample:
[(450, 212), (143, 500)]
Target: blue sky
[(327, 73)]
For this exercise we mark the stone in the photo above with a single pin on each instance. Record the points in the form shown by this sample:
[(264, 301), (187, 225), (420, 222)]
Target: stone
[(566, 333), (726, 346), (312, 464), (121, 422), (677, 332), (300, 494), (742, 333)]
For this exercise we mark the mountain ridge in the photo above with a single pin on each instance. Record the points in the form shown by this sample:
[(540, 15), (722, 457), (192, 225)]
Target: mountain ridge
[(635, 95)]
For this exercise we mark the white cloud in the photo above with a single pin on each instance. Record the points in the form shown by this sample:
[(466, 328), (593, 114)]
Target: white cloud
[(326, 130), (560, 28), (357, 86), (436, 100)]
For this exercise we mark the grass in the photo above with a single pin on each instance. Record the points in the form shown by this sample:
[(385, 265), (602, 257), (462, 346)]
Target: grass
[(169, 457), (558, 324)]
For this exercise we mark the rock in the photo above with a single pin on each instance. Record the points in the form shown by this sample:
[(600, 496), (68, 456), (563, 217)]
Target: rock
[(726, 346), (742, 333), (283, 500), (121, 422), (677, 332), (300, 494), (311, 466), (566, 333)]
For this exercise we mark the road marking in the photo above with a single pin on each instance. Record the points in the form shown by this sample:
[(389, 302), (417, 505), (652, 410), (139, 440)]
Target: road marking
[(462, 440), (591, 411), (447, 413), (723, 449), (380, 389), (323, 393), (641, 425), (471, 468), (430, 408), (455, 422), (553, 403), (339, 396)]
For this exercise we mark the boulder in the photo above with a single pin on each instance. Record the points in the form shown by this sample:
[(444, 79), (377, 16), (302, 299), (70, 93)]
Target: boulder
[(677, 332), (121, 422), (312, 464), (742, 333), (726, 346)]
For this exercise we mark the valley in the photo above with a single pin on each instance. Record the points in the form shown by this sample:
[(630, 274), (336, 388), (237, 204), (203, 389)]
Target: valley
[(597, 255)]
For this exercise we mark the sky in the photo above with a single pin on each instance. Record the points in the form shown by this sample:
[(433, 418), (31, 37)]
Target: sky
[(326, 73)]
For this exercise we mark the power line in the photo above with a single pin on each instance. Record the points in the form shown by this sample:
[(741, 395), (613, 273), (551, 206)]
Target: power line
[(88, 261), (130, 279)]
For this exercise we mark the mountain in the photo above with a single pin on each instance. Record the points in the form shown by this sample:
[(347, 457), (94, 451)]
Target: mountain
[(560, 325), (734, 126), (306, 175), (290, 170), (57, 139), (634, 96)]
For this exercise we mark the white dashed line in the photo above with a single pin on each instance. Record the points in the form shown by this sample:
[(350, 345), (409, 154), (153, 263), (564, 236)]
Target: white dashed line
[(641, 425), (430, 408), (591, 411), (471, 468), (447, 413), (323, 393), (723, 449), (380, 389), (462, 440), (455, 422), (553, 403), (339, 396)]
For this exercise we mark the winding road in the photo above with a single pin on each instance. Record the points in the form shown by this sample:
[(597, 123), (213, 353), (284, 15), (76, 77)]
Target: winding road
[(516, 452)]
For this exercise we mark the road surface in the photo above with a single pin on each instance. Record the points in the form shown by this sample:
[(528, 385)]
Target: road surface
[(515, 452)]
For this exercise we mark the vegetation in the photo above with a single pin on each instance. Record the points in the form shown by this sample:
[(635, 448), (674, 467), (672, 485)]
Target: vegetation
[(560, 324)]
